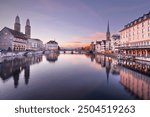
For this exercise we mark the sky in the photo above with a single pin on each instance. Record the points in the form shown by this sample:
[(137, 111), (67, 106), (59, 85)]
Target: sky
[(71, 23)]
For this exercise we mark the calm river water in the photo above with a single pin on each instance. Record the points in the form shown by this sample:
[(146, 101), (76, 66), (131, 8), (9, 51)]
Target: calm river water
[(73, 76)]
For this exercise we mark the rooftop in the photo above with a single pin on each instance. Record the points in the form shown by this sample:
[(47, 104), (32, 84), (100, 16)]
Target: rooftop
[(16, 33), (36, 39), (137, 21), (52, 42)]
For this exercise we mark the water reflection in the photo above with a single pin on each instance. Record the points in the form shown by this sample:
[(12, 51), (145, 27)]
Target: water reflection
[(105, 62), (74, 77), (134, 76), (135, 83), (138, 66), (91, 56), (52, 57), (12, 67)]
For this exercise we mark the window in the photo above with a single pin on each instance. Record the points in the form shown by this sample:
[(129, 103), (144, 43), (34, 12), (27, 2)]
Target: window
[(145, 17), (149, 29), (148, 22), (142, 24), (142, 30), (149, 35)]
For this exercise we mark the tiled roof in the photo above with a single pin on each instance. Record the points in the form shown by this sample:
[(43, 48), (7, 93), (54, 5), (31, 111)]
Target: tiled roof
[(137, 21), (17, 34), (36, 39), (52, 42)]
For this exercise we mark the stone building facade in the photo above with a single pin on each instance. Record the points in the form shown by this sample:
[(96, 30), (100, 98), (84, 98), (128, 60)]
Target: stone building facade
[(35, 44), (15, 40), (12, 40)]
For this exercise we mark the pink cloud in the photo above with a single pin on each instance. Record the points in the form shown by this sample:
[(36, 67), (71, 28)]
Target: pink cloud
[(91, 37), (73, 44)]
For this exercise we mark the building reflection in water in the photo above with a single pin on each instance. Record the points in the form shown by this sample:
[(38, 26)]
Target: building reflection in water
[(12, 67), (105, 63), (134, 76), (52, 57), (91, 56)]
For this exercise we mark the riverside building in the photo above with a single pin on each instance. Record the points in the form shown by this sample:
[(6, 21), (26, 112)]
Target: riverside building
[(115, 43), (51, 46), (135, 38), (15, 40), (35, 44), (104, 46)]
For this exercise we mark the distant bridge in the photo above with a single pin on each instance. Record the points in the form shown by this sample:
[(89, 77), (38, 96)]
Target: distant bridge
[(71, 51)]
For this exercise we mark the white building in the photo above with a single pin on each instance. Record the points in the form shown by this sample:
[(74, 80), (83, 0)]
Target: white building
[(103, 46), (35, 44), (137, 32), (135, 37), (100, 46), (115, 43), (51, 46)]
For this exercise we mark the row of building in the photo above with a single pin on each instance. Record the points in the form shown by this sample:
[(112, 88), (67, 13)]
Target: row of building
[(15, 40), (133, 39), (107, 45)]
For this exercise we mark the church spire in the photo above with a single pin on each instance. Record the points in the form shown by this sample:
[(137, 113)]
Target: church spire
[(28, 29), (17, 24), (108, 32), (108, 27)]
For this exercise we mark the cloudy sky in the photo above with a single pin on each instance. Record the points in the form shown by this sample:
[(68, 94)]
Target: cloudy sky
[(71, 22)]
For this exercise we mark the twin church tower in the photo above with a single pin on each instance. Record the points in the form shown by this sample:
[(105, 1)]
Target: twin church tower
[(17, 27)]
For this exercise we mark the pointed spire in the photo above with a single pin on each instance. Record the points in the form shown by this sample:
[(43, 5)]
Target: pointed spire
[(108, 32), (17, 25), (28, 29), (17, 20), (108, 27), (28, 22)]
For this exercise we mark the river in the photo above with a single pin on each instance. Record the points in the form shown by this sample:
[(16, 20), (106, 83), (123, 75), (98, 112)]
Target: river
[(72, 77)]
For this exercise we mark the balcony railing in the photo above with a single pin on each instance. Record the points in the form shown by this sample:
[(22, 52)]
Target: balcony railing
[(134, 47)]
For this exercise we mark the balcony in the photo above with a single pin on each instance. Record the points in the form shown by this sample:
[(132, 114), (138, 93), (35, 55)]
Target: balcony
[(127, 47)]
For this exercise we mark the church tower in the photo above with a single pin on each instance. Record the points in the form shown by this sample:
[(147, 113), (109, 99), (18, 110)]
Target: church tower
[(28, 29), (108, 33), (108, 41), (17, 24)]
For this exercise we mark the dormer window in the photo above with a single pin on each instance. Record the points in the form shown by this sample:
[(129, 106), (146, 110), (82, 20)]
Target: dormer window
[(135, 22), (145, 17)]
